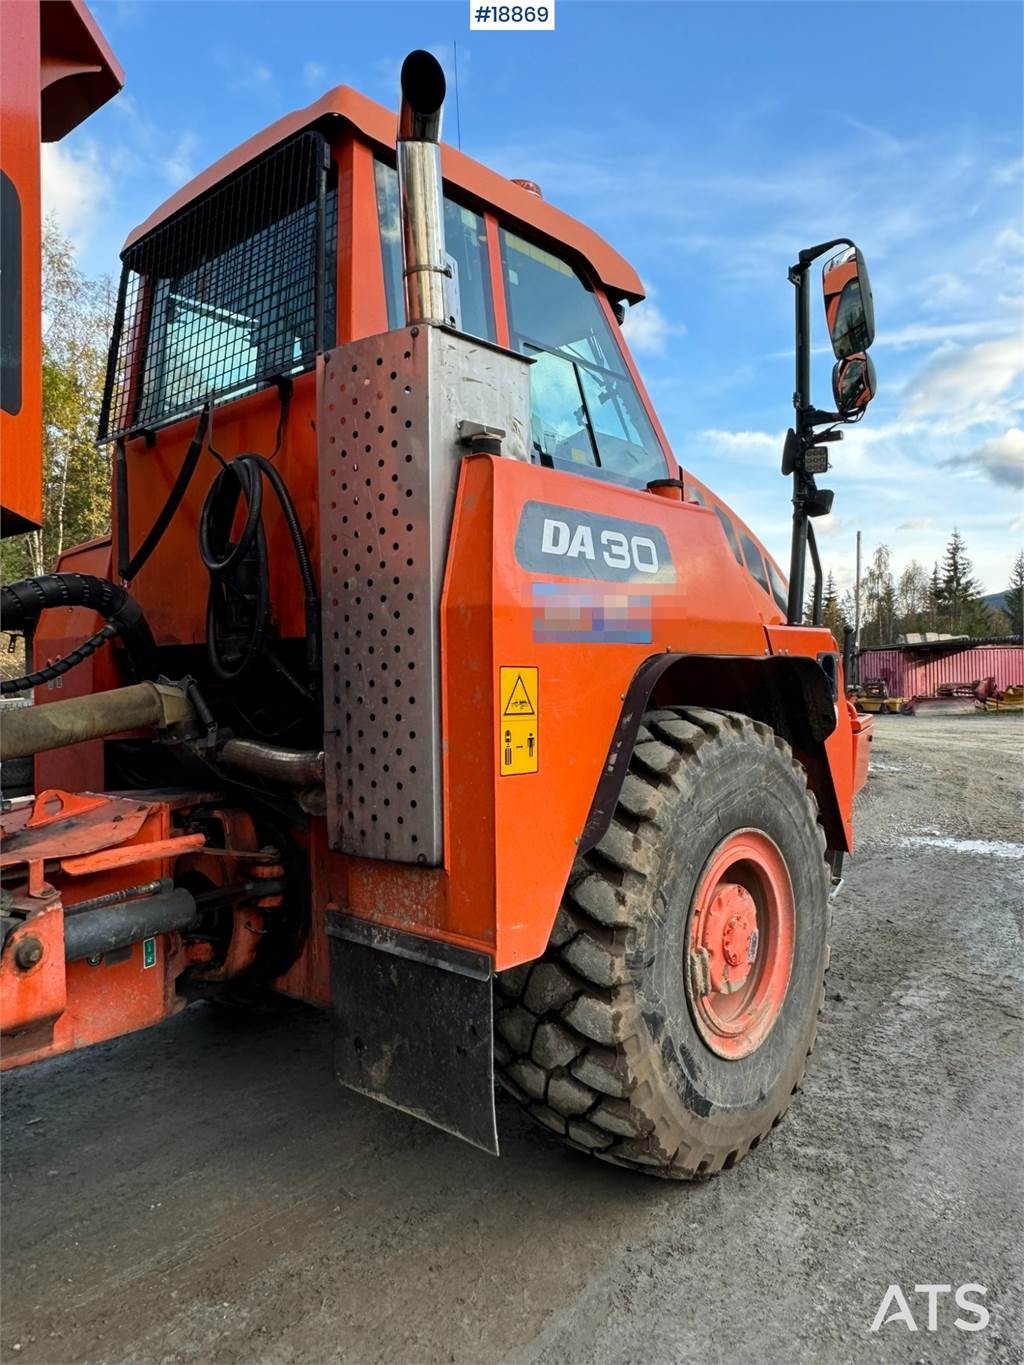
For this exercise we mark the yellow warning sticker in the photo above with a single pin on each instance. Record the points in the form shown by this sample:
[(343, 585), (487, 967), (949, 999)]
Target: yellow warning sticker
[(518, 721)]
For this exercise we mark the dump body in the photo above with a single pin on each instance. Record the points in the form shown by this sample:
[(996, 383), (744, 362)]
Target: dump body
[(55, 70)]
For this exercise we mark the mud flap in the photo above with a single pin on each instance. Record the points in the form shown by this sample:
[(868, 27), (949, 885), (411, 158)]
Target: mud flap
[(412, 1020)]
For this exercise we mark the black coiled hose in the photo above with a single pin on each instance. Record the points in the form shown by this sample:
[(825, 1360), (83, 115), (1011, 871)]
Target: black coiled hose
[(239, 568), (21, 605)]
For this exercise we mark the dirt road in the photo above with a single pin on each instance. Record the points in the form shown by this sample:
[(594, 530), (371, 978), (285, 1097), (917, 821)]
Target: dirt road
[(203, 1192)]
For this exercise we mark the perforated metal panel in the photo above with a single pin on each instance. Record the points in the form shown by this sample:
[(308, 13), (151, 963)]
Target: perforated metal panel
[(389, 409)]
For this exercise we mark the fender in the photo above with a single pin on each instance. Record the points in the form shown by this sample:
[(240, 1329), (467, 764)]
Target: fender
[(793, 694)]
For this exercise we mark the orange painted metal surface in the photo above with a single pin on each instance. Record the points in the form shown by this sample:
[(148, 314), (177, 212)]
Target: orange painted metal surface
[(79, 72), (54, 1007), (21, 470), (362, 310), (55, 70), (172, 586), (114, 859), (510, 841), (833, 773), (76, 848), (62, 824), (77, 767), (862, 729)]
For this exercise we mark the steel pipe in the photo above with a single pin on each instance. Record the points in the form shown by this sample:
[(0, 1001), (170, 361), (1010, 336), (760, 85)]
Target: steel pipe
[(295, 767), (425, 268)]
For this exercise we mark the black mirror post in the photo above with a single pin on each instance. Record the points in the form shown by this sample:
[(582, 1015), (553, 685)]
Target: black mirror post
[(798, 277), (804, 486)]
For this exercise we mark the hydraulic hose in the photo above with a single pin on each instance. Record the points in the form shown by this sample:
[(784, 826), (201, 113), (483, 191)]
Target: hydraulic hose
[(21, 605), (145, 705), (239, 568), (118, 926)]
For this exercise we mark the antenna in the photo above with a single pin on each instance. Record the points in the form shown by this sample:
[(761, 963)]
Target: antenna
[(458, 116)]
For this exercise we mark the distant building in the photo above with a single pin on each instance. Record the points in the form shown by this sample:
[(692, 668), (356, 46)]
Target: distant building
[(916, 665)]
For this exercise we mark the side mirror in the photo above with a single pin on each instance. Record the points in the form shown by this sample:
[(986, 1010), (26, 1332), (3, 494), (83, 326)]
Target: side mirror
[(853, 383), (849, 310)]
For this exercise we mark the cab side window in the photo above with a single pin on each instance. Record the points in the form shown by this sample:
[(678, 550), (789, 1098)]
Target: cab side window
[(587, 415), (779, 591), (465, 239), (754, 562), (730, 534)]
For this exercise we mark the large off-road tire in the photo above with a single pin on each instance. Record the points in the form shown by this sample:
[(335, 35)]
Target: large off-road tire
[(669, 1022)]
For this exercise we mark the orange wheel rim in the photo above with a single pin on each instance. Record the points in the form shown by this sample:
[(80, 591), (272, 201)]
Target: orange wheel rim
[(740, 944)]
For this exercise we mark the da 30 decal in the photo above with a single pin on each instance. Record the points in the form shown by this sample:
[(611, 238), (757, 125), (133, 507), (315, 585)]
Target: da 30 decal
[(569, 543)]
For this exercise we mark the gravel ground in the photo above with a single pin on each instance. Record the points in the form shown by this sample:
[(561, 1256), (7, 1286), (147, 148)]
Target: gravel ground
[(204, 1193)]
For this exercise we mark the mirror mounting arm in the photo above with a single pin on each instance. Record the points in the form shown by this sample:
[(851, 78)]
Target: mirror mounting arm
[(812, 253), (814, 417), (807, 416)]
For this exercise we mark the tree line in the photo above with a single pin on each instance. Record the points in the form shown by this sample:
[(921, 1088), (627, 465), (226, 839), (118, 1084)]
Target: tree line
[(78, 317), (948, 600)]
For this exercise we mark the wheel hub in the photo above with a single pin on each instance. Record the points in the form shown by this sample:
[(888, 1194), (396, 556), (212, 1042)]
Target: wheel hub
[(740, 944), (729, 937)]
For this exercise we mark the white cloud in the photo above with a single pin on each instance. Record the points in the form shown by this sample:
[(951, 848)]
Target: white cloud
[(915, 524), (647, 329), (1002, 458), (756, 446), (176, 166), (960, 388), (75, 188), (1008, 173), (258, 76), (313, 74)]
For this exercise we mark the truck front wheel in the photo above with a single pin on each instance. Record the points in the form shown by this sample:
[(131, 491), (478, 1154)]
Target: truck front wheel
[(669, 1022)]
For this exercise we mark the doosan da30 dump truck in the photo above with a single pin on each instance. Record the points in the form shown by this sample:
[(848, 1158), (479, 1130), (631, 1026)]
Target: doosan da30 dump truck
[(417, 679)]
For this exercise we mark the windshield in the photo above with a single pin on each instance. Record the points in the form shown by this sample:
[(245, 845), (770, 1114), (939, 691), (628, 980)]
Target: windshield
[(586, 412)]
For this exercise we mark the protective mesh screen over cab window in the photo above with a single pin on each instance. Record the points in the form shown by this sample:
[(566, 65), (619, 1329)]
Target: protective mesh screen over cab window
[(232, 292)]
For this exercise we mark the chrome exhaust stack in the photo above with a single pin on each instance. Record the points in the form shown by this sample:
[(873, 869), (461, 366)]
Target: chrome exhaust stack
[(428, 272)]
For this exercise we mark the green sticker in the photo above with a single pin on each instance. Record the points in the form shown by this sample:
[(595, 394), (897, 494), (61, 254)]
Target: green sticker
[(149, 952)]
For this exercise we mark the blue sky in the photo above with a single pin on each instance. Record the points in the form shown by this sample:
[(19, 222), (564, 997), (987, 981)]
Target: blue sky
[(708, 142)]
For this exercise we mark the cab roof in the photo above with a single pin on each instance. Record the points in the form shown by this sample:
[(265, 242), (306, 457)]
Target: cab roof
[(476, 183)]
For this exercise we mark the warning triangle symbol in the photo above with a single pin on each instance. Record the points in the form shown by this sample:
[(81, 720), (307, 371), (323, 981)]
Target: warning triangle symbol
[(519, 703)]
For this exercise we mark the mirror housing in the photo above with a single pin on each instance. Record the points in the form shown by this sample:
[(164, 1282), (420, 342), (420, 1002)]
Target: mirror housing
[(854, 383), (819, 502), (849, 309)]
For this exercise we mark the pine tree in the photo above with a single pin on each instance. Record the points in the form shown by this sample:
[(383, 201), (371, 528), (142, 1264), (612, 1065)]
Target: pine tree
[(961, 595), (832, 615), (934, 605), (1013, 601)]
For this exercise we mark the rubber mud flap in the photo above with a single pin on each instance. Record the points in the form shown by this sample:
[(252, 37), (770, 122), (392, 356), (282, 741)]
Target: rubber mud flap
[(413, 1026)]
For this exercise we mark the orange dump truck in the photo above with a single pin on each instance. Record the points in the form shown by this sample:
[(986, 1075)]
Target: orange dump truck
[(417, 680)]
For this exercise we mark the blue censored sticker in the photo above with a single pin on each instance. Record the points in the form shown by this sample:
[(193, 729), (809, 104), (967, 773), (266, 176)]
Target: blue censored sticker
[(572, 615)]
